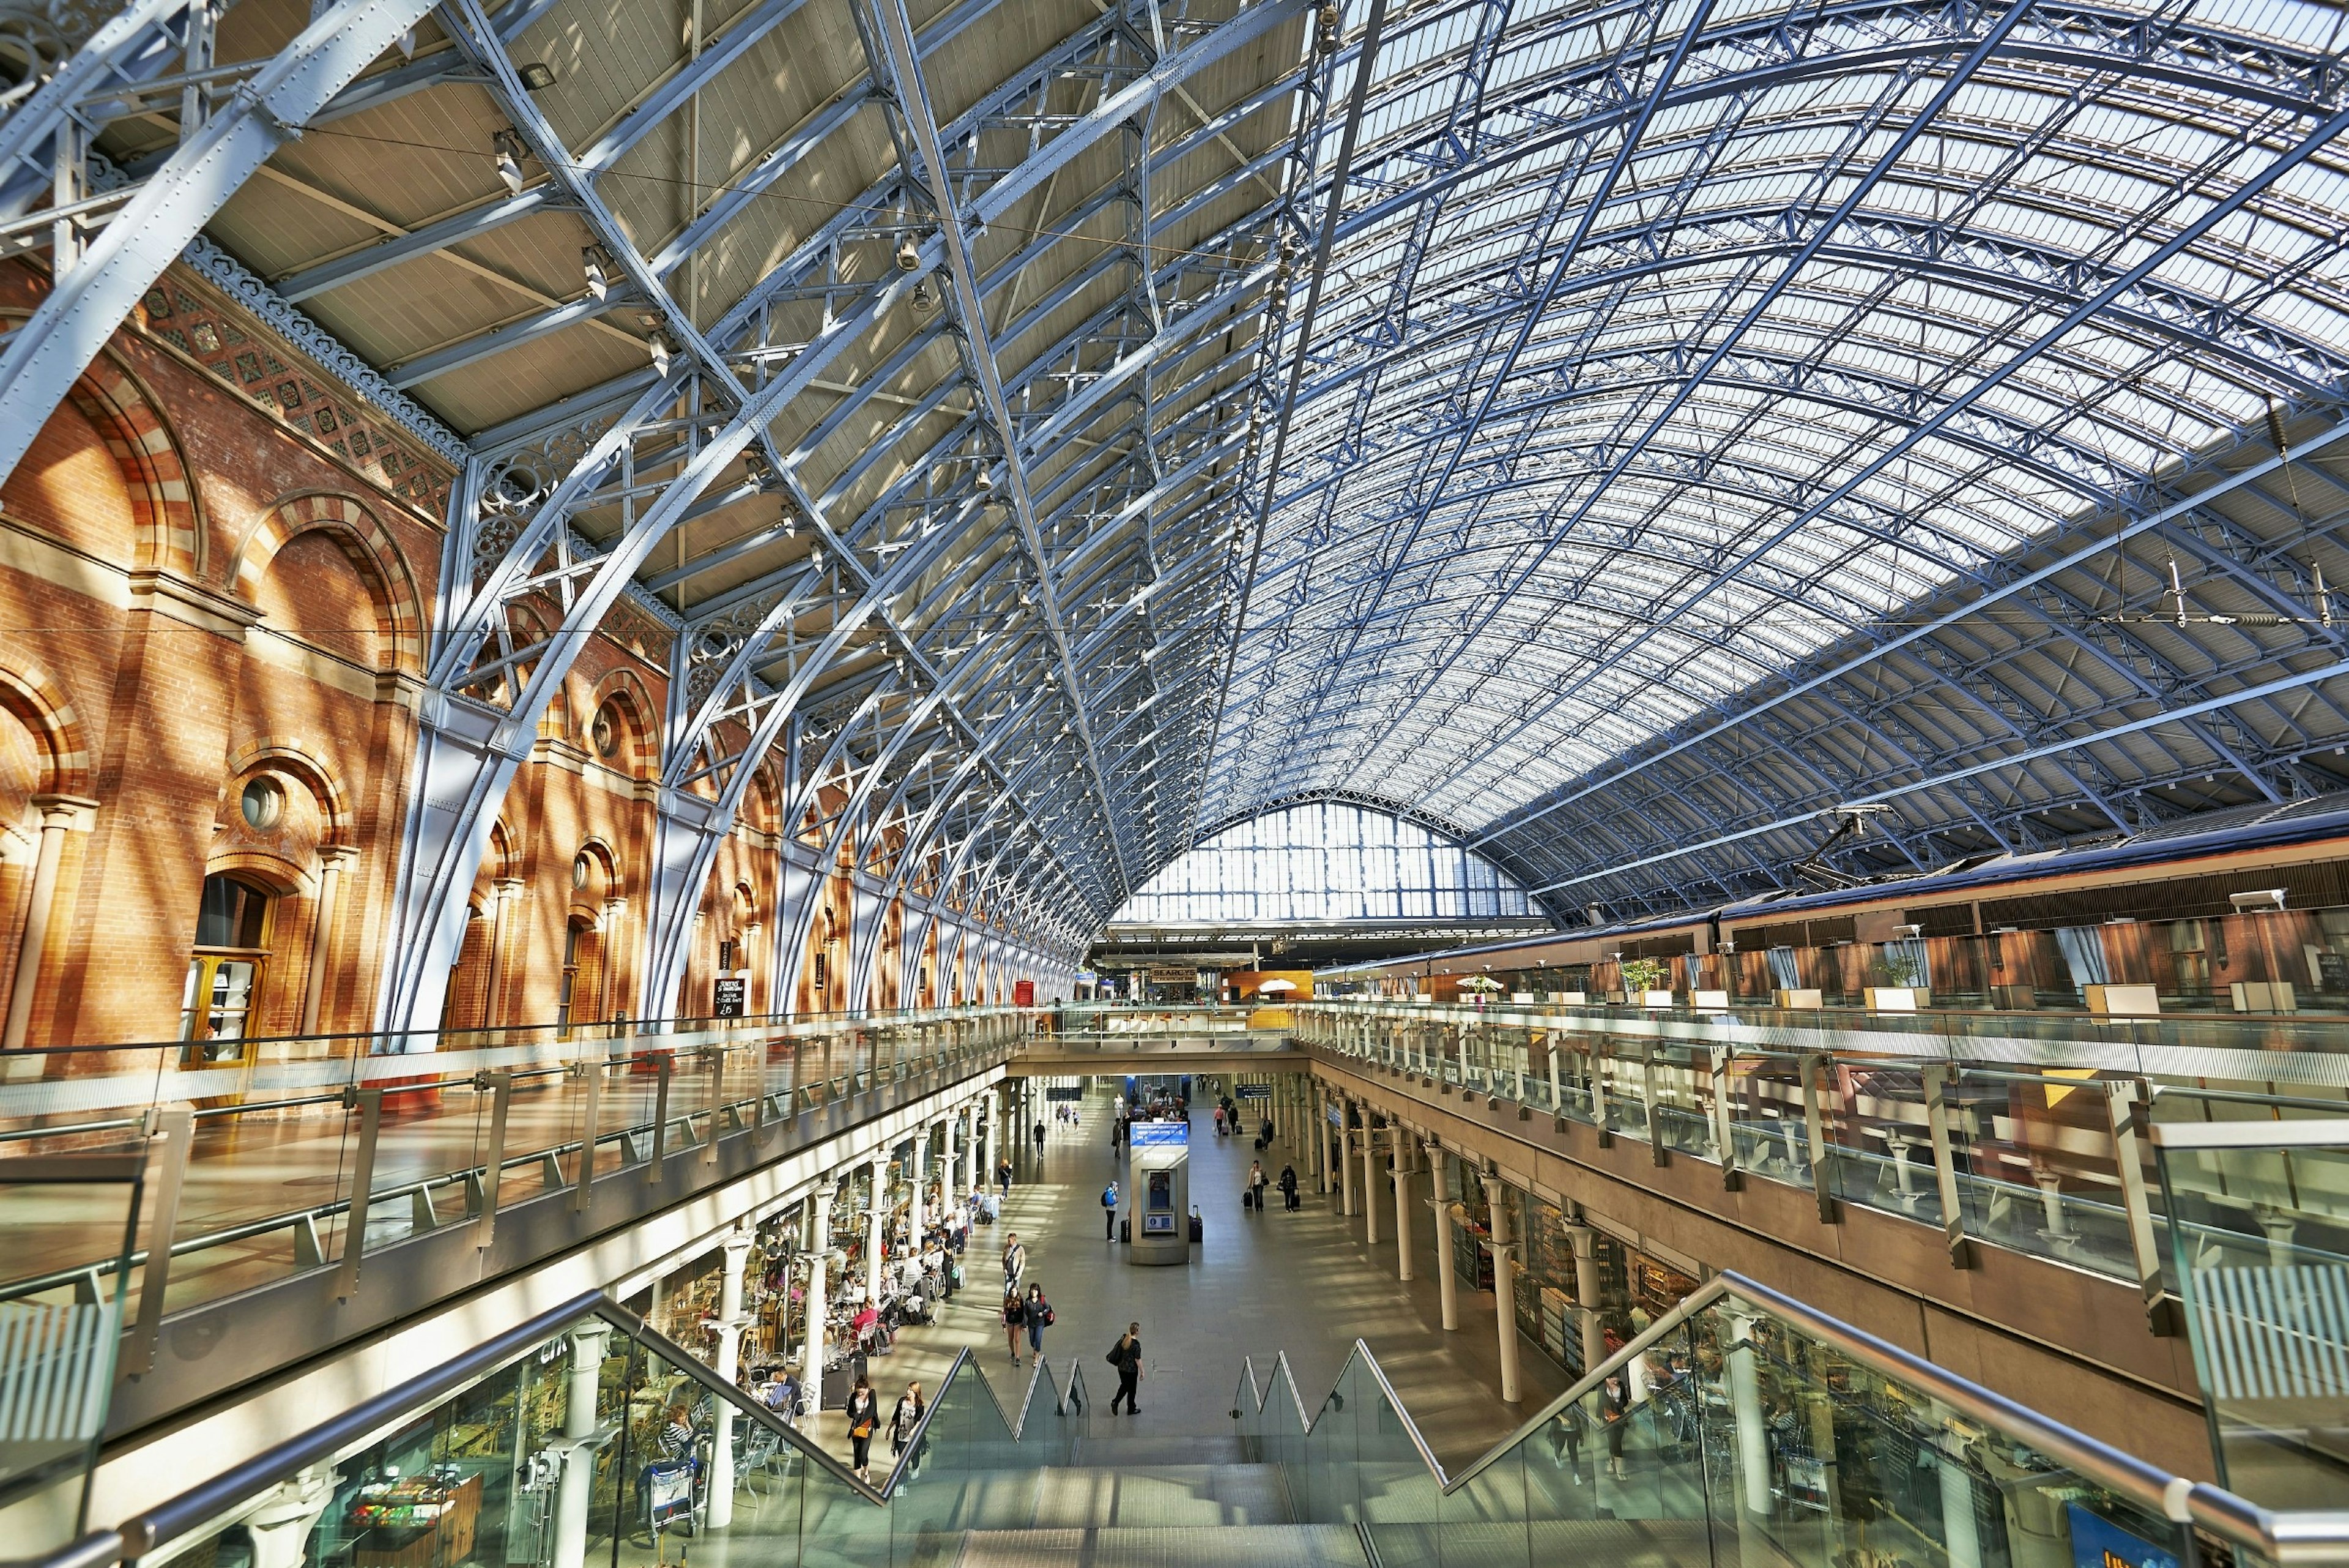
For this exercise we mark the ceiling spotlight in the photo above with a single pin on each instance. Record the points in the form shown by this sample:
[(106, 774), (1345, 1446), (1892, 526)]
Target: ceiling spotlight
[(596, 261), (985, 481), (536, 76), (509, 159), (909, 255), (922, 295)]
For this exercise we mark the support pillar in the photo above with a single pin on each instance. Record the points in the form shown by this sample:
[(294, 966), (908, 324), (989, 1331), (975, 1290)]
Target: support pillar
[(727, 1326), (1504, 1305), (1961, 1537), (819, 1277), (330, 882), (1447, 1286), (575, 1492), (57, 813), (1321, 1139), (1345, 1156), (1369, 1178), (874, 1199), (1585, 1244), (1402, 1174), (1745, 1414), (280, 1528), (921, 1164)]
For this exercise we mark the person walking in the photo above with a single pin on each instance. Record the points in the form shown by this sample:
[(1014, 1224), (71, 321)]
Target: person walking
[(1109, 1212), (1015, 1318), (863, 1415), (1003, 1176), (1040, 1318), (1039, 1140), (1015, 1262), (1126, 1356), (1289, 1187), (1220, 1121), (1257, 1182), (905, 1418), (1614, 1412)]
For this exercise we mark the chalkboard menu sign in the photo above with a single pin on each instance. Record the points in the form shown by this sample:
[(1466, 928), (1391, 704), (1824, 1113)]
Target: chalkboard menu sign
[(728, 995)]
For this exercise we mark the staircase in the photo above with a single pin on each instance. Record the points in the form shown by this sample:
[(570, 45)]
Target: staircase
[(1154, 1502)]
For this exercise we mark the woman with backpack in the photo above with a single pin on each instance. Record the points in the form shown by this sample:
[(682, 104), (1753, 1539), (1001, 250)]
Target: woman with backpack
[(1039, 1314), (1015, 1318)]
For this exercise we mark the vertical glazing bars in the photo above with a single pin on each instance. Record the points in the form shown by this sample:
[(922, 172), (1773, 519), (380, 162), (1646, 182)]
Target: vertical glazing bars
[(591, 1082)]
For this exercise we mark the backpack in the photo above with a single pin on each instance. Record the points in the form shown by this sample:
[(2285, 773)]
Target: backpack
[(1109, 1197)]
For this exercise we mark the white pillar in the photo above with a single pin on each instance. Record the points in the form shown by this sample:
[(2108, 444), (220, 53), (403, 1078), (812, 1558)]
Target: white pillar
[(1345, 1156), (2280, 1229), (921, 1176), (1447, 1287), (1321, 1139), (1745, 1413), (1402, 1209), (877, 1197), (574, 1493), (1505, 1286), (280, 1528), (1369, 1179), (1960, 1538), (58, 813), (819, 1278), (1585, 1244), (330, 882), (728, 1325)]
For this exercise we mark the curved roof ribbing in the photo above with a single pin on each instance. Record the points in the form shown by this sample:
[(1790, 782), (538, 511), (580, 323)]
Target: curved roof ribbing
[(1710, 412)]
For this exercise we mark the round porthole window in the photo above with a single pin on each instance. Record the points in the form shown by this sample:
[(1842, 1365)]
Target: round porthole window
[(579, 872), (264, 804), (605, 734)]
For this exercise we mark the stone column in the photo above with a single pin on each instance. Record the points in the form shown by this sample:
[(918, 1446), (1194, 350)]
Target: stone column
[(575, 1492), (1402, 1174), (57, 813), (509, 894), (280, 1528), (921, 1167), (1345, 1156), (876, 1197), (330, 882), (819, 1278), (1321, 1139), (727, 1326), (1369, 1179), (1959, 1536), (1745, 1413), (1447, 1286), (1584, 1244), (1504, 1290)]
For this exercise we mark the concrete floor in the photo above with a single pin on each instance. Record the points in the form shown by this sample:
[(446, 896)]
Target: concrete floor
[(1304, 1284)]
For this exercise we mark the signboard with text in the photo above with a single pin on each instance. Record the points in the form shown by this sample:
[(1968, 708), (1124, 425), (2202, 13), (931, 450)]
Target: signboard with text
[(728, 996)]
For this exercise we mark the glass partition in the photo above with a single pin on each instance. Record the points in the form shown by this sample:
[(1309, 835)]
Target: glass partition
[(1741, 1431)]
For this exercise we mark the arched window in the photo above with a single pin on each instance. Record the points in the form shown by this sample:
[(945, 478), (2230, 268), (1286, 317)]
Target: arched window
[(1327, 860), (226, 976)]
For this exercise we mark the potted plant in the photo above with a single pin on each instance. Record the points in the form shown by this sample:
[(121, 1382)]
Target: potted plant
[(1896, 977), (1641, 980)]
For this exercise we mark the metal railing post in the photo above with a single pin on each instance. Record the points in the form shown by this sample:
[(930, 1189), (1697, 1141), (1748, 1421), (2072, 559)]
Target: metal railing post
[(1815, 1069), (1939, 1078), (501, 1086), (1657, 1153), (174, 1126), (1724, 1122), (592, 1081), (355, 1218), (1596, 1056), (662, 1068), (716, 1054), (2126, 1103)]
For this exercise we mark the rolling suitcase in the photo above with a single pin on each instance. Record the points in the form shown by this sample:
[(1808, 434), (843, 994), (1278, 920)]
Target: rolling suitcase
[(1247, 1199)]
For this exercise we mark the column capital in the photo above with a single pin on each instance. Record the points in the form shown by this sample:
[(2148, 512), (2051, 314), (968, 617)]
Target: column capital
[(335, 857), (62, 809)]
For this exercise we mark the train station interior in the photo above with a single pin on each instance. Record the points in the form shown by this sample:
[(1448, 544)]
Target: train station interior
[(1148, 783)]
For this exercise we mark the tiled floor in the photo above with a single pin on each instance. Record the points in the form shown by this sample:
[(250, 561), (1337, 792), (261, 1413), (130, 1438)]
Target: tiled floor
[(1304, 1284)]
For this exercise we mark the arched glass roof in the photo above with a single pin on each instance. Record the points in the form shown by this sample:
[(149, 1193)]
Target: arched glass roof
[(1050, 429), (1322, 861)]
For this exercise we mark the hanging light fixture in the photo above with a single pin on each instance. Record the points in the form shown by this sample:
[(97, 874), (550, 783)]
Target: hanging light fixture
[(597, 261), (909, 255), (508, 143)]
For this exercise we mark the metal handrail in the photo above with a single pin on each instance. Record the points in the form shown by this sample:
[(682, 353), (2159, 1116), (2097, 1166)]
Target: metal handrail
[(330, 1439), (2298, 1538)]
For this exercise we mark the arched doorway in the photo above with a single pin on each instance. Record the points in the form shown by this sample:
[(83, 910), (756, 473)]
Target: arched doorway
[(229, 972)]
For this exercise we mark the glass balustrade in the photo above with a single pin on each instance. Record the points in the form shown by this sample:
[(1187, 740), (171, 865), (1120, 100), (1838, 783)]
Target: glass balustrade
[(1746, 1430), (598, 1440), (302, 1153)]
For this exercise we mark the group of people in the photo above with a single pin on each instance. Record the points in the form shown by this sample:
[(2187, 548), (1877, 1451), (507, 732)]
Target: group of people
[(1257, 1182), (865, 1418)]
